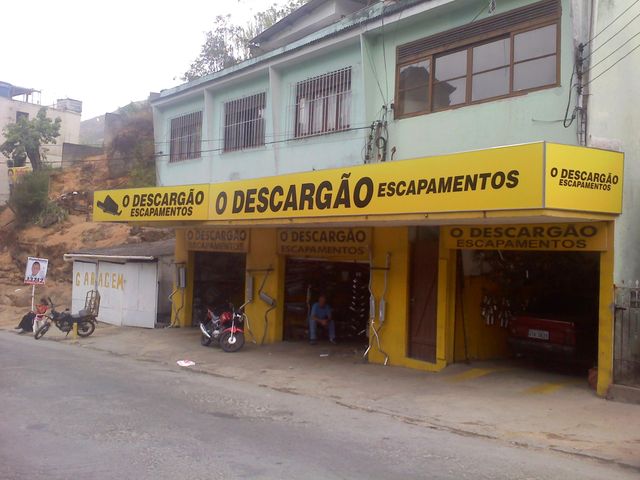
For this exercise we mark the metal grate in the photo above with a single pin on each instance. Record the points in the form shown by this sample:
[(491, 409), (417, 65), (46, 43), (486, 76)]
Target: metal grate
[(626, 361), (243, 122), (497, 25), (186, 137), (322, 104)]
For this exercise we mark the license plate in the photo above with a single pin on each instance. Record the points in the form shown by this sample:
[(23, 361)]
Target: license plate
[(539, 334)]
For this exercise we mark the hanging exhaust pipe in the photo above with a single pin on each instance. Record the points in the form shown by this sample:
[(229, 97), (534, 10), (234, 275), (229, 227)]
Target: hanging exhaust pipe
[(204, 331)]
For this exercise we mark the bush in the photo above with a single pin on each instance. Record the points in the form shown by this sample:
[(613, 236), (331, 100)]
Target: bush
[(142, 176), (51, 214), (30, 196)]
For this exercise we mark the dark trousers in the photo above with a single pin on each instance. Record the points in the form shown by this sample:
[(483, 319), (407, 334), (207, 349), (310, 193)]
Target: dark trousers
[(26, 323)]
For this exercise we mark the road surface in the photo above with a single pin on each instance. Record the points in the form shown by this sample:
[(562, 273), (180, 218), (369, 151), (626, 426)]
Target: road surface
[(71, 412)]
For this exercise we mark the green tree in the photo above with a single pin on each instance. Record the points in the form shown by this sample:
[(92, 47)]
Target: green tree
[(227, 44), (25, 138)]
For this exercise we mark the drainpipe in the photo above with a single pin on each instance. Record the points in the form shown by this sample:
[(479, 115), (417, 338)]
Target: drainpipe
[(585, 92)]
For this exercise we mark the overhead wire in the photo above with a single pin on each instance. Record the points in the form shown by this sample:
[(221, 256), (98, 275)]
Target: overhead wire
[(613, 65), (599, 62), (611, 37), (612, 22)]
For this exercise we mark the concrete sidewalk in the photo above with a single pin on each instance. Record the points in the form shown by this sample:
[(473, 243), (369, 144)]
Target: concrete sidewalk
[(521, 406)]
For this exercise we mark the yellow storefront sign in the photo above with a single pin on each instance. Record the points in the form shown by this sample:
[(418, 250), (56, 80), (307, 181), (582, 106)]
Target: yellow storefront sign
[(234, 240), (583, 179), (508, 177), (190, 202), (325, 242), (523, 177), (552, 236)]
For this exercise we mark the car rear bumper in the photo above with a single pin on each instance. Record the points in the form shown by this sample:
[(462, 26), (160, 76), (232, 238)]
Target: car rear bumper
[(532, 347)]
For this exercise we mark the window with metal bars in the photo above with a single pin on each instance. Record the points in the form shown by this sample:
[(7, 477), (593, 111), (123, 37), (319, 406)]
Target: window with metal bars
[(186, 137), (323, 103), (244, 122)]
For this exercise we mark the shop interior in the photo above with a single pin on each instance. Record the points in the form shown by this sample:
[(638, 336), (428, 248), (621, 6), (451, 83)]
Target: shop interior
[(346, 286), (539, 309), (219, 279)]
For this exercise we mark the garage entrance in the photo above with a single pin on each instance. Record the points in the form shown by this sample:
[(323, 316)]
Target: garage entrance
[(539, 307), (219, 278), (346, 286)]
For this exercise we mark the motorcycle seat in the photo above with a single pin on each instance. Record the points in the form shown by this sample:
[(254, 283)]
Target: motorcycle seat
[(81, 314)]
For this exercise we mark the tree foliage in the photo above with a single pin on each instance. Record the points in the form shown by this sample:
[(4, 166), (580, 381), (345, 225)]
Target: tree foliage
[(30, 195), (227, 44), (132, 146), (25, 138)]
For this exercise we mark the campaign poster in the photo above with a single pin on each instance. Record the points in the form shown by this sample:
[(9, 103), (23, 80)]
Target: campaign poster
[(36, 272)]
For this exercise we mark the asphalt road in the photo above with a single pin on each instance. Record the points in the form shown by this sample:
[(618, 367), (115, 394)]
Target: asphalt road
[(69, 412)]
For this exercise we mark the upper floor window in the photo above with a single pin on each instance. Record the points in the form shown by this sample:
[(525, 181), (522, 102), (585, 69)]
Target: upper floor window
[(323, 103), (518, 62), (500, 56), (244, 122), (21, 115), (186, 137)]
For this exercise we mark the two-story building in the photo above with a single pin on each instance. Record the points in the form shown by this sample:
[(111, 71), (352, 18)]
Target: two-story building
[(417, 162), (20, 102)]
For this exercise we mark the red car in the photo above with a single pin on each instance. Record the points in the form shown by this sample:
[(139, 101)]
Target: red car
[(542, 337)]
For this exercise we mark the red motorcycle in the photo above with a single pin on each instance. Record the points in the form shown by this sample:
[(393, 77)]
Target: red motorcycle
[(224, 326)]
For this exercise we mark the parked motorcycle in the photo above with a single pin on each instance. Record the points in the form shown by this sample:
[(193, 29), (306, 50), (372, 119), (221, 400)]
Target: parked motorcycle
[(224, 326), (64, 321)]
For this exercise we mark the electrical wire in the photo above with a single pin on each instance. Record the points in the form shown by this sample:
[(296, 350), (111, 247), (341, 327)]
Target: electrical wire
[(221, 149), (482, 10), (591, 67), (613, 65), (566, 113), (384, 57), (612, 22), (611, 37)]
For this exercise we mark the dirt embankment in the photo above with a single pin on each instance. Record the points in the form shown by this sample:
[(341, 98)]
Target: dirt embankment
[(72, 189)]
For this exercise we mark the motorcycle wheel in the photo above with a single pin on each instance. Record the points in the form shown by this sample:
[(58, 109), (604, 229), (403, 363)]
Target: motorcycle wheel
[(86, 328), (204, 340), (228, 347), (41, 331)]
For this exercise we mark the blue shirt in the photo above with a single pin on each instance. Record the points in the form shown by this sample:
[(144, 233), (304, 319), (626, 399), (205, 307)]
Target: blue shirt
[(322, 313)]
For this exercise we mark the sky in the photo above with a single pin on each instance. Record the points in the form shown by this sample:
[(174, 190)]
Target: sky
[(108, 53)]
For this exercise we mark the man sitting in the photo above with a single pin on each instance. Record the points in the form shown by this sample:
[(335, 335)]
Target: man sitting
[(321, 315)]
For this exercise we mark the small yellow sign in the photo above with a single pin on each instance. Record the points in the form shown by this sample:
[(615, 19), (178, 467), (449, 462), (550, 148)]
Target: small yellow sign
[(189, 202), (234, 240), (552, 236), (326, 242), (585, 179)]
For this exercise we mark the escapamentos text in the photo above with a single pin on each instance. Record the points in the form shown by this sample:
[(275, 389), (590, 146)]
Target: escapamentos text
[(358, 193)]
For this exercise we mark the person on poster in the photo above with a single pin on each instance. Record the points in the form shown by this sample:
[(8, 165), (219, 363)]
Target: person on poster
[(36, 271)]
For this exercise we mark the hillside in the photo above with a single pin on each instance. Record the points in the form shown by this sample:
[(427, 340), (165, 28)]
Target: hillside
[(71, 189)]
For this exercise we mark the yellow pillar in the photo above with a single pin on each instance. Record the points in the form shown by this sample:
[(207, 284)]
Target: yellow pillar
[(446, 308), (394, 333), (263, 260), (182, 298), (606, 316)]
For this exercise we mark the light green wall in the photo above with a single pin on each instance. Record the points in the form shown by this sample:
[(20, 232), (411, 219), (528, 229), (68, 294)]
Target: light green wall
[(184, 172), (527, 118), (531, 117)]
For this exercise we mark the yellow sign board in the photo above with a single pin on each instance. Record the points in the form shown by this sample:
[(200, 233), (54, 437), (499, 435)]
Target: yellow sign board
[(234, 240), (190, 202), (552, 236), (583, 179), (501, 178), (522, 177), (325, 242)]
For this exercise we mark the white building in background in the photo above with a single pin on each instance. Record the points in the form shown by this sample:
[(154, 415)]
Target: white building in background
[(19, 102)]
